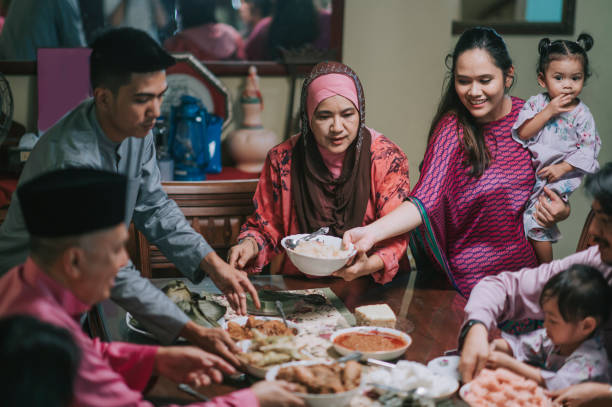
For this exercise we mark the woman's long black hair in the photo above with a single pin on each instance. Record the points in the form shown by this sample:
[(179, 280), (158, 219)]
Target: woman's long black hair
[(477, 155)]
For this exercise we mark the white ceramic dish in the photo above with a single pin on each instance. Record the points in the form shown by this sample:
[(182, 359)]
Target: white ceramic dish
[(259, 372), (446, 366), (318, 266), (444, 396), (318, 400), (407, 375), (381, 355), (463, 392)]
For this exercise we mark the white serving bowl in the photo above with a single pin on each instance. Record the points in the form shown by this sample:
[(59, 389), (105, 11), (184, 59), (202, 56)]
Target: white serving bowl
[(318, 266), (318, 400), (380, 355)]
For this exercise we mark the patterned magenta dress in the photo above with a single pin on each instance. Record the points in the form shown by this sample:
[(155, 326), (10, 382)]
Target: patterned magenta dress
[(473, 227)]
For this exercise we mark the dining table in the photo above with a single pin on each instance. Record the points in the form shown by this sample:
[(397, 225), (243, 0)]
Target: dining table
[(426, 306)]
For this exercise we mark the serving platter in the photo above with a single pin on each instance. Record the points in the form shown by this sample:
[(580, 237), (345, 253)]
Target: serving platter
[(280, 345), (318, 400), (291, 302)]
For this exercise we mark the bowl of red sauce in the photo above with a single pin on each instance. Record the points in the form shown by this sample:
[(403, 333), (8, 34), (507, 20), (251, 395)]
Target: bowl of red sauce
[(374, 342)]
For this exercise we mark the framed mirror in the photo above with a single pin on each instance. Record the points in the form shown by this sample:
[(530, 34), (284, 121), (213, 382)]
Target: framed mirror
[(180, 24), (518, 16)]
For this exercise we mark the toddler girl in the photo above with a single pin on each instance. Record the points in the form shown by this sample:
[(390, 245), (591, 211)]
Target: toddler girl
[(569, 350), (559, 131)]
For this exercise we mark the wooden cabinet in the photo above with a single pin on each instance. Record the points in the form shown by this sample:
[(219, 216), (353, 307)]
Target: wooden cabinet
[(216, 209)]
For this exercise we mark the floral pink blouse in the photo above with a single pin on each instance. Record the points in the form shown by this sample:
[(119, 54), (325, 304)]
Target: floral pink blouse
[(275, 215)]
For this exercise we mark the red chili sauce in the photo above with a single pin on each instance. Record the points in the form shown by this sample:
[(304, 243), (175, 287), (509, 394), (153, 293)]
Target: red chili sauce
[(372, 341)]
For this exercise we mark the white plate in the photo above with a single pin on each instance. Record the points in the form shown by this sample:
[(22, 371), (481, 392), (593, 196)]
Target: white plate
[(455, 386), (446, 366), (463, 391), (318, 400), (259, 372), (380, 355)]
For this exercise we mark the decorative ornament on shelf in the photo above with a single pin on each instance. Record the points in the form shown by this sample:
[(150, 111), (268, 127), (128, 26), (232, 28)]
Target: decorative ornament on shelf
[(250, 144)]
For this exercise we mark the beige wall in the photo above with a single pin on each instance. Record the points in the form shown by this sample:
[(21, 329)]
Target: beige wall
[(397, 47)]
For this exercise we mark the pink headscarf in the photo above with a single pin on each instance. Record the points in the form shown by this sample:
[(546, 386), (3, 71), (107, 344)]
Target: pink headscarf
[(329, 85), (321, 197)]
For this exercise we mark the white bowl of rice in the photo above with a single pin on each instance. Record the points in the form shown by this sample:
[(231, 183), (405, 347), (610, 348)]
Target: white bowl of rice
[(320, 256)]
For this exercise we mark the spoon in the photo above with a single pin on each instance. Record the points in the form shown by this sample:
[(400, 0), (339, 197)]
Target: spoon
[(350, 356), (190, 390), (279, 307), (292, 243)]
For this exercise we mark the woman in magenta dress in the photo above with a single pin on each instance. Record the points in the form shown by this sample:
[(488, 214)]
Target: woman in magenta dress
[(465, 212)]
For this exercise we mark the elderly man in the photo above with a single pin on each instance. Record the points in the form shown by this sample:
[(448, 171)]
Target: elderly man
[(112, 132), (515, 295), (74, 259)]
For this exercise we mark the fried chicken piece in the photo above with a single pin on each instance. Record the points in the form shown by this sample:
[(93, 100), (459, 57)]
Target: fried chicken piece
[(328, 379), (287, 374), (351, 374), (237, 332), (305, 376)]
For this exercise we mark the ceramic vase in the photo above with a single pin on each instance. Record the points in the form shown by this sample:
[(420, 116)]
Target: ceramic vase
[(249, 144)]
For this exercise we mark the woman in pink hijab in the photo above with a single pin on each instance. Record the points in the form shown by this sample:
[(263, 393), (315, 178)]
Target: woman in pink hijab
[(336, 172)]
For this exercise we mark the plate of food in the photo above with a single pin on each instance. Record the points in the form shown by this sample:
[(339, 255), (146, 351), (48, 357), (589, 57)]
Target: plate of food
[(263, 352), (290, 301), (321, 384), (242, 328), (373, 342), (501, 387), (199, 309), (407, 376), (320, 256)]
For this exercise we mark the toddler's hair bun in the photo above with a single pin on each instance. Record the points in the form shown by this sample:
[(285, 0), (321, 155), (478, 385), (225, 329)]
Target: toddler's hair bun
[(585, 41), (543, 46)]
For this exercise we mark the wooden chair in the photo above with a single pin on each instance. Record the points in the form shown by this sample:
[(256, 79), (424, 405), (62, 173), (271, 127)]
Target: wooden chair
[(585, 237), (216, 209)]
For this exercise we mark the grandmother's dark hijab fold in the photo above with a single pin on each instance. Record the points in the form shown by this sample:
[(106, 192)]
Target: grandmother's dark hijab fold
[(319, 199)]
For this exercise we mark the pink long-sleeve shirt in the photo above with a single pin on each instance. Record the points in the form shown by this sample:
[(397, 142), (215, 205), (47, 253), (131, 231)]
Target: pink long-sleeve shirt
[(516, 295), (110, 374)]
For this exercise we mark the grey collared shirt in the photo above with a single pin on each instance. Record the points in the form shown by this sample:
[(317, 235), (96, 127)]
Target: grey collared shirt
[(78, 140)]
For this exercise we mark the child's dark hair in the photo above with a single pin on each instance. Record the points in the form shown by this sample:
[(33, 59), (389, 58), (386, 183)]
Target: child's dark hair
[(558, 49), (581, 291)]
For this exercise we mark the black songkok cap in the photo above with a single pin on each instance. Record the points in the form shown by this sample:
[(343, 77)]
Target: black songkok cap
[(129, 50), (73, 201)]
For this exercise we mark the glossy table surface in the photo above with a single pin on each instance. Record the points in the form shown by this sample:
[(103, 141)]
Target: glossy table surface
[(426, 307)]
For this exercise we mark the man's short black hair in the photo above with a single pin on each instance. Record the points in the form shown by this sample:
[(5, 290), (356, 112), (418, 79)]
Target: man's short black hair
[(120, 52), (599, 186)]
